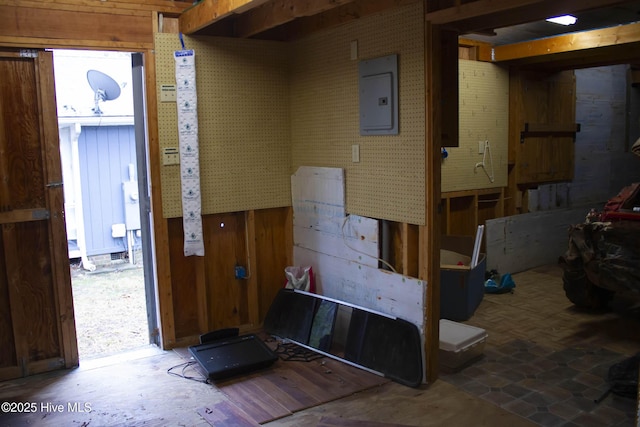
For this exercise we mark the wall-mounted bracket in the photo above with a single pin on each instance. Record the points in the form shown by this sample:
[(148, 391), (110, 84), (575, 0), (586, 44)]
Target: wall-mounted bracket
[(537, 130)]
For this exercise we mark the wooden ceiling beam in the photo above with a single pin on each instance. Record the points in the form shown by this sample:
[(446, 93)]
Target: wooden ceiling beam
[(115, 7), (599, 57), (208, 12), (585, 43), (474, 9), (482, 15), (331, 18), (279, 12)]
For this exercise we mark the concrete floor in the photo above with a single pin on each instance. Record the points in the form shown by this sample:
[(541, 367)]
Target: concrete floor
[(140, 393), (135, 389)]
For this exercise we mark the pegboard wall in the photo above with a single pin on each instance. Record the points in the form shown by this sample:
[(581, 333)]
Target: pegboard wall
[(389, 180), (484, 116), (243, 119), (266, 108)]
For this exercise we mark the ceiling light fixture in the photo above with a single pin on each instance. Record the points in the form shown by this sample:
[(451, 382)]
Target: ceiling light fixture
[(563, 20)]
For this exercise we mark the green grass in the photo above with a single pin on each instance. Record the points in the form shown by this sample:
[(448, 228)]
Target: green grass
[(110, 310)]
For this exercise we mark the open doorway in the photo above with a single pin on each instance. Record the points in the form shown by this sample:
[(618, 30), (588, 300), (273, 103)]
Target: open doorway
[(102, 147)]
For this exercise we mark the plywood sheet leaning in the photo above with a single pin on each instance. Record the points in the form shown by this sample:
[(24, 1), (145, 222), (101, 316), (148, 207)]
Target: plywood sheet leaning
[(521, 242), (343, 249)]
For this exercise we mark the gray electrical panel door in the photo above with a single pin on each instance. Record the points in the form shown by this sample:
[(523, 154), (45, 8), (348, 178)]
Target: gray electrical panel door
[(378, 89)]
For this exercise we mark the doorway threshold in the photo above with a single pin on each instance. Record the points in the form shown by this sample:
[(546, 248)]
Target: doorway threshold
[(125, 356)]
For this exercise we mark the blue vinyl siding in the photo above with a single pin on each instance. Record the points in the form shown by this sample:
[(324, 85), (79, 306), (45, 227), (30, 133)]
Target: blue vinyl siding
[(105, 154)]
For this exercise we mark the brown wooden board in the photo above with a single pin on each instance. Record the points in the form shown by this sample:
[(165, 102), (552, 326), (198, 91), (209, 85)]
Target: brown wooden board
[(56, 226), (75, 25), (38, 311), (226, 414), (183, 283), (8, 349), (462, 216), (22, 152), (291, 386), (225, 247), (34, 291), (205, 293), (272, 233), (543, 100)]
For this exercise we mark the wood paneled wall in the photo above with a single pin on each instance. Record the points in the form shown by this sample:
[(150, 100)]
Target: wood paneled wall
[(205, 294)]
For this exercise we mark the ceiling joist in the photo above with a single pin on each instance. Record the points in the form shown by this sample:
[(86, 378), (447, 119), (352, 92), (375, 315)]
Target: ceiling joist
[(586, 48), (483, 15), (278, 12), (332, 18), (208, 12), (276, 19)]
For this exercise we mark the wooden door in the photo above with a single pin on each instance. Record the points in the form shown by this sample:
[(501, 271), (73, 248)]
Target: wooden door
[(37, 328), (543, 115)]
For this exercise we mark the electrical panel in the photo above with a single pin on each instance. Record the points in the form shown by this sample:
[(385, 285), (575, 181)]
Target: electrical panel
[(378, 90)]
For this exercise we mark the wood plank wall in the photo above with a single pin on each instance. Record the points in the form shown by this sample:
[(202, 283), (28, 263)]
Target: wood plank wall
[(205, 294), (113, 25)]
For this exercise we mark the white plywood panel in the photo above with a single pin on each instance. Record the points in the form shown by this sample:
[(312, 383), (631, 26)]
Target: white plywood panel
[(319, 191), (348, 238), (366, 286), (521, 242), (334, 245), (351, 226)]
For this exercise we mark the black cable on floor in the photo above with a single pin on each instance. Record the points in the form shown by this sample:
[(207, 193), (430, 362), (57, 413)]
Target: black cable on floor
[(182, 374)]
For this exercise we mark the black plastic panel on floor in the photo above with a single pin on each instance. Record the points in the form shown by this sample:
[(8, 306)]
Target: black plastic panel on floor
[(377, 342), (230, 356)]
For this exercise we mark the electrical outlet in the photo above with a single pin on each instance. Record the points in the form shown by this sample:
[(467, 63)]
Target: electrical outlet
[(481, 147), (354, 50), (170, 156), (168, 93), (240, 272)]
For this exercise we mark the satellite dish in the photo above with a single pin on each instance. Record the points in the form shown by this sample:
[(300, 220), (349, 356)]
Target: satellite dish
[(104, 88)]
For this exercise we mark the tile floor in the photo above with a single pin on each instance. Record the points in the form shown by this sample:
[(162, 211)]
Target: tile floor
[(550, 388), (547, 361)]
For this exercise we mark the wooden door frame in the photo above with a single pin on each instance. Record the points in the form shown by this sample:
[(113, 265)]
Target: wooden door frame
[(55, 196)]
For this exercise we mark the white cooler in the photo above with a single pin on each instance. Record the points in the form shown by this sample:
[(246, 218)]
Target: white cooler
[(460, 344)]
